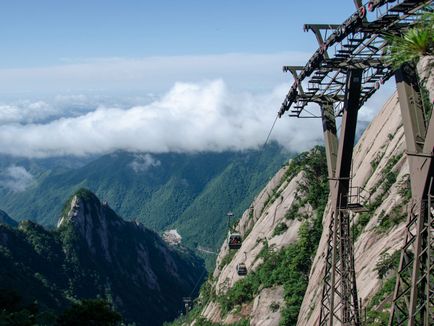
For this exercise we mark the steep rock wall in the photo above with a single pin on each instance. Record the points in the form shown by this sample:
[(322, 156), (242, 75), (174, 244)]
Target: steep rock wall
[(380, 148), (380, 167), (257, 226)]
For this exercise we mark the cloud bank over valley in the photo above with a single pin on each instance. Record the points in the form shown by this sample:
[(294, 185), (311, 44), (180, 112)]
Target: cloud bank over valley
[(190, 117), (16, 178)]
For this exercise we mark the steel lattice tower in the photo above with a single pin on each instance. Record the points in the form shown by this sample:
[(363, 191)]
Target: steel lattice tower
[(345, 71)]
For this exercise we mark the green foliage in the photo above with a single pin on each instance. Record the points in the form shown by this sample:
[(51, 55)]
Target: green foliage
[(227, 259), (188, 191), (315, 189), (280, 229), (15, 312), (358, 227), (89, 312), (388, 178), (292, 212), (416, 42), (376, 160), (57, 267), (405, 188), (378, 308), (396, 216), (289, 266), (374, 316), (386, 263)]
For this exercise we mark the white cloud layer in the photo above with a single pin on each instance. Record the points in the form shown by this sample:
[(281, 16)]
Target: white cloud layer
[(142, 162), (207, 116), (190, 117), (16, 178)]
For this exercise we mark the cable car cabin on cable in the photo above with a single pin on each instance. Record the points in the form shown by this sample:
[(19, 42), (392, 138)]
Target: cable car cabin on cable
[(234, 241), (241, 269)]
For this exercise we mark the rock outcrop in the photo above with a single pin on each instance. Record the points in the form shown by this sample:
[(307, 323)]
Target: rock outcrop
[(379, 151), (95, 253), (271, 224), (380, 167)]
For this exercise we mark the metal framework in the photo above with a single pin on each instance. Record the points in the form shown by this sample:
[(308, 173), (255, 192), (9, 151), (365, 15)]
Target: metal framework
[(414, 292), (339, 295), (342, 74)]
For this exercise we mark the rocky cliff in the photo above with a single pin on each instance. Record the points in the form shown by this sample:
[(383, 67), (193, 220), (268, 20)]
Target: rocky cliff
[(94, 253), (381, 168), (280, 232), (279, 218)]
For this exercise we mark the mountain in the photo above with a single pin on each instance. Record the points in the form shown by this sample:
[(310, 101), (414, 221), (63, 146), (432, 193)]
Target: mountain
[(188, 191), (284, 241), (280, 232), (6, 219), (95, 253)]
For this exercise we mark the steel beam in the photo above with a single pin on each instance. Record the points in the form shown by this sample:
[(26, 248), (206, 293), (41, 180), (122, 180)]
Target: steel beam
[(294, 72), (339, 303), (348, 45), (330, 138), (413, 296)]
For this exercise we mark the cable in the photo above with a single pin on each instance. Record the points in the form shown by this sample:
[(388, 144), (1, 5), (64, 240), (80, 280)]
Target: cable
[(313, 115), (269, 134), (198, 281)]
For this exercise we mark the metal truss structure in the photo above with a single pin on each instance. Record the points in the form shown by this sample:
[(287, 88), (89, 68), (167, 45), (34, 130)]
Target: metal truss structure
[(413, 302), (342, 74)]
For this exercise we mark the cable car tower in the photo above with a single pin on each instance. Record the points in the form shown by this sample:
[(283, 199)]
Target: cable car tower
[(342, 74)]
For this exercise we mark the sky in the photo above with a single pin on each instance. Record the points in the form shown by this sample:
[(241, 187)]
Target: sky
[(130, 46), (90, 77)]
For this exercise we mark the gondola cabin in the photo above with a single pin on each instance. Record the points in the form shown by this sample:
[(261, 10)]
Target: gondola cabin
[(241, 269), (188, 303), (234, 241)]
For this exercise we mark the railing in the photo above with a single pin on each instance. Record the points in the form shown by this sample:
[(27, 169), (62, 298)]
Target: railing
[(358, 198)]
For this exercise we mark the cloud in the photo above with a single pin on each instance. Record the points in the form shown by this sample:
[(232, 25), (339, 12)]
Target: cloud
[(34, 111), (190, 117), (152, 74), (142, 162), (48, 108), (16, 178)]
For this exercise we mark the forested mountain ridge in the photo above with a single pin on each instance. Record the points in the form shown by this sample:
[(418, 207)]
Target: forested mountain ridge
[(188, 191), (94, 253)]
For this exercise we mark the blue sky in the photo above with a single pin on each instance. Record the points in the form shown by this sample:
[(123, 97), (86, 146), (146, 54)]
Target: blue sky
[(47, 32), (136, 47)]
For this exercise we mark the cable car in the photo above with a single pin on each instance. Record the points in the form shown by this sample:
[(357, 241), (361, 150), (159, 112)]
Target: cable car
[(234, 241), (188, 303), (241, 269)]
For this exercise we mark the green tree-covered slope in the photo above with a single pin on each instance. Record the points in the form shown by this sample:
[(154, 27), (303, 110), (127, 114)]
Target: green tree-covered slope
[(94, 253), (191, 192)]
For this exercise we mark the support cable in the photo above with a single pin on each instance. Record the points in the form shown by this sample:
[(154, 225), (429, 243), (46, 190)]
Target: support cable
[(269, 133), (197, 282)]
